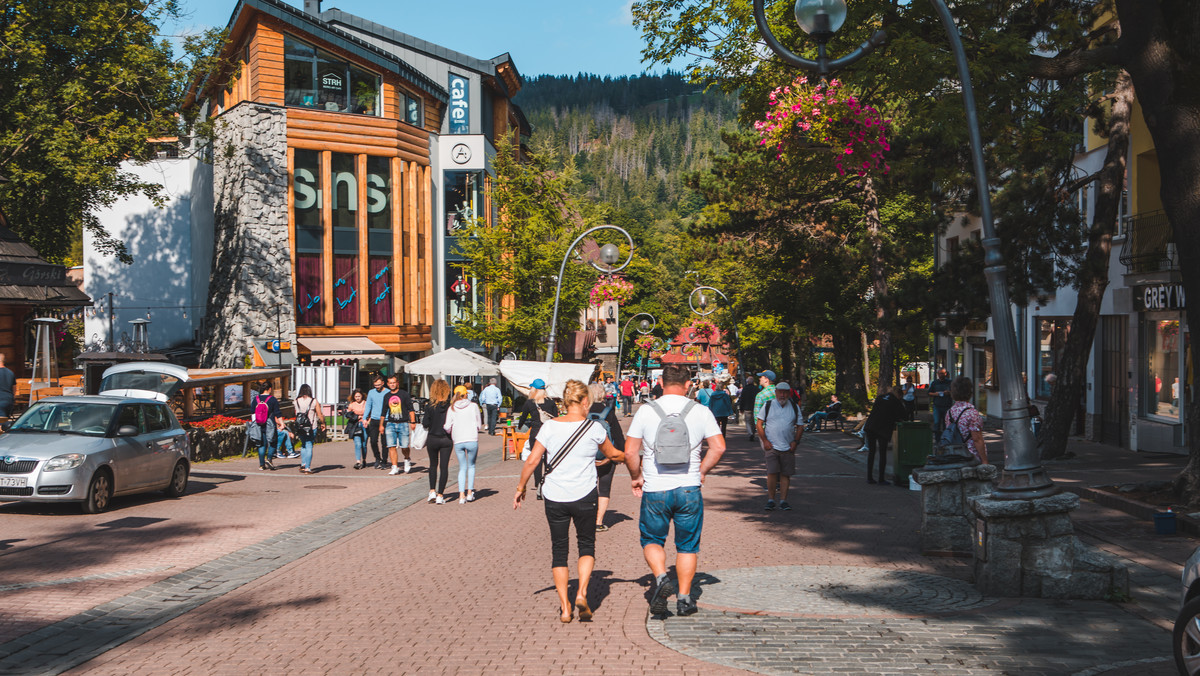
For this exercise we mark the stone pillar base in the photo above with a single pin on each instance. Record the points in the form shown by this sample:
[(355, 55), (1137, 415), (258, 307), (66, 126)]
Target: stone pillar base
[(947, 522), (1028, 548)]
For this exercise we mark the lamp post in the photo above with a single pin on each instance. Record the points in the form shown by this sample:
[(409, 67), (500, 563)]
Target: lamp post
[(702, 301), (610, 254), (644, 327), (1023, 476)]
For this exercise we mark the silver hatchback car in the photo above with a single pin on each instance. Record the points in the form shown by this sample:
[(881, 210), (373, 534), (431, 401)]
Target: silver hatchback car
[(88, 449)]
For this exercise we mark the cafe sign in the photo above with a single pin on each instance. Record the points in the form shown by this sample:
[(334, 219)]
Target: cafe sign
[(460, 105), (1154, 297)]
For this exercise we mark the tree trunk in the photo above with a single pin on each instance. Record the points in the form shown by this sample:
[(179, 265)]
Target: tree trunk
[(847, 357), (879, 285), (801, 347), (1071, 371), (787, 365), (1159, 49), (866, 363)]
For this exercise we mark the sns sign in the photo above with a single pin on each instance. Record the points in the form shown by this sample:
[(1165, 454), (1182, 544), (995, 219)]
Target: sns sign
[(460, 105), (308, 191)]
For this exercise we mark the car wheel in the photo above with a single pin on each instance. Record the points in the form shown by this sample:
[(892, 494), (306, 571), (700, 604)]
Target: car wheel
[(179, 481), (99, 494), (1186, 638)]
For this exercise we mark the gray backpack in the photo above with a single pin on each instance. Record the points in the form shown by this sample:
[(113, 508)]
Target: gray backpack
[(672, 445)]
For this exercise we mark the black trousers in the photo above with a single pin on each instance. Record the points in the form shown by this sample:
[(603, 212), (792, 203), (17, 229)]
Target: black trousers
[(877, 442), (440, 449), (560, 515), (373, 437)]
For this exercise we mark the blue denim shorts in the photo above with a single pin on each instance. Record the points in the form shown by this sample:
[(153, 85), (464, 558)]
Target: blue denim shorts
[(397, 434), (683, 506)]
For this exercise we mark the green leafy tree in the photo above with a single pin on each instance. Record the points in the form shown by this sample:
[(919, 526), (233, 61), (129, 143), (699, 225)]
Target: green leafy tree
[(82, 86), (518, 257)]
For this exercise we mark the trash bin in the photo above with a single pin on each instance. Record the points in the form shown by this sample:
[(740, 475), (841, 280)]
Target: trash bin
[(913, 442)]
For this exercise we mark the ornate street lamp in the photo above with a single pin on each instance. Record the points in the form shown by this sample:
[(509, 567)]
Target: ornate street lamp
[(699, 296), (645, 326), (610, 255), (1023, 476)]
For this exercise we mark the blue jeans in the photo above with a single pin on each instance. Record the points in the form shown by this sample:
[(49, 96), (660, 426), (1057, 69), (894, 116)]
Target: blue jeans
[(267, 445), (465, 452), (360, 448), (306, 453), (684, 506)]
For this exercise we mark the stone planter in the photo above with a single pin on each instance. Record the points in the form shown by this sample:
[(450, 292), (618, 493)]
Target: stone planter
[(1028, 548), (947, 522), (218, 444)]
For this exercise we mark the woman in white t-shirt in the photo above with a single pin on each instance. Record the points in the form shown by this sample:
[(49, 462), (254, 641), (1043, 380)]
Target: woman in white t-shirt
[(569, 490)]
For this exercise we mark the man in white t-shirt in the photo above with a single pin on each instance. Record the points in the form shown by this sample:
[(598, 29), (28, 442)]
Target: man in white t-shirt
[(671, 493), (780, 427)]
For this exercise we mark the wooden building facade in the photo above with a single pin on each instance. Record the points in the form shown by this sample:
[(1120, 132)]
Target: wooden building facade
[(360, 195)]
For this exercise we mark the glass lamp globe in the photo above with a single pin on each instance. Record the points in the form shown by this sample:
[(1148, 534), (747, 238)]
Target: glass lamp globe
[(703, 301), (820, 18), (610, 254), (645, 324)]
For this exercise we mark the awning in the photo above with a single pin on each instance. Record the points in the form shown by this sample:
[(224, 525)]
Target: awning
[(339, 347), (452, 363)]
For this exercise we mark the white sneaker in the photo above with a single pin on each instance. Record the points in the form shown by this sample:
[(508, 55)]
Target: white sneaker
[(462, 499), (395, 470), (863, 449), (407, 465), (432, 496), (471, 496), (441, 500)]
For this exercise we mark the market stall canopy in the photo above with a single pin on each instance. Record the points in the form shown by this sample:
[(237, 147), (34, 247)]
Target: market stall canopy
[(477, 357), (336, 347), (452, 363), (520, 373)]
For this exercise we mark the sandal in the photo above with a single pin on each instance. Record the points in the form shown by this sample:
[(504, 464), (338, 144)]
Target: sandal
[(585, 612)]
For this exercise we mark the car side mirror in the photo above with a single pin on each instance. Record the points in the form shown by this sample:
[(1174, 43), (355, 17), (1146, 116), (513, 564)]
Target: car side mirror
[(127, 431)]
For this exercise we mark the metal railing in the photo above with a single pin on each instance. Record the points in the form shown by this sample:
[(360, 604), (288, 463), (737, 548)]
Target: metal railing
[(1148, 246)]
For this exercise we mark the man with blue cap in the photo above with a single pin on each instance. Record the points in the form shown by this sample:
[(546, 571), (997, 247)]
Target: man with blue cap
[(766, 392)]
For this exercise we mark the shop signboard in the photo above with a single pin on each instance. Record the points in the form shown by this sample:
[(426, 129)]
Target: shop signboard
[(22, 274), (1154, 297), (460, 105)]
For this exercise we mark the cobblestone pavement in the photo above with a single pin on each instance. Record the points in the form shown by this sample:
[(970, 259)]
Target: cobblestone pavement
[(382, 582), (836, 620)]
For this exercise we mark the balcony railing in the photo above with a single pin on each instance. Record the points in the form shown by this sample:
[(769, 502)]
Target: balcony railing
[(1148, 246)]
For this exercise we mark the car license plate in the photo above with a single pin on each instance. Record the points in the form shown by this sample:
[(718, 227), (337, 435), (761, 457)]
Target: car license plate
[(13, 482)]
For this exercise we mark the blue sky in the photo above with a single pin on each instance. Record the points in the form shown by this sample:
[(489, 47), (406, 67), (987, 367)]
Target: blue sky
[(561, 37)]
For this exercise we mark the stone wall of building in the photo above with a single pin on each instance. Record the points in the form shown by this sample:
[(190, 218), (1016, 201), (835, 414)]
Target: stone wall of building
[(251, 284)]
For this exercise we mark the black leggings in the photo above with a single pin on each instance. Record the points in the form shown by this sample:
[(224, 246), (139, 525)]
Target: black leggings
[(604, 477), (373, 437), (440, 449), (560, 515), (877, 442)]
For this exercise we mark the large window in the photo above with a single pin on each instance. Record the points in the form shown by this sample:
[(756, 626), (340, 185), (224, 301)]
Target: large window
[(463, 191), (317, 79), (310, 238), (356, 212), (410, 107), (1162, 388)]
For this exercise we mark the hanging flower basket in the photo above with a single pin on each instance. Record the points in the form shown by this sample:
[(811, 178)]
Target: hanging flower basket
[(704, 330), (610, 289), (804, 116), (644, 343)]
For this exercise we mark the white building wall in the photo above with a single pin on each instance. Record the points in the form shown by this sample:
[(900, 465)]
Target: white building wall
[(171, 248)]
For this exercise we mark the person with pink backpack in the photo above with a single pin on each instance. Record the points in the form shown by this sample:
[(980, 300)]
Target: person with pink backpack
[(266, 420)]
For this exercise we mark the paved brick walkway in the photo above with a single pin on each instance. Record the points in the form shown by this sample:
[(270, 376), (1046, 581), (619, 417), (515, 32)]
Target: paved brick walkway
[(371, 579)]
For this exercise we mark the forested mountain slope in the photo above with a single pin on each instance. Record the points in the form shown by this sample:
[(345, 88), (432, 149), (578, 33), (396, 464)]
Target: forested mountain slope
[(632, 137)]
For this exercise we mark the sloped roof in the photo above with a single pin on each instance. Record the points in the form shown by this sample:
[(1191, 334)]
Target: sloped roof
[(341, 39), (50, 285)]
